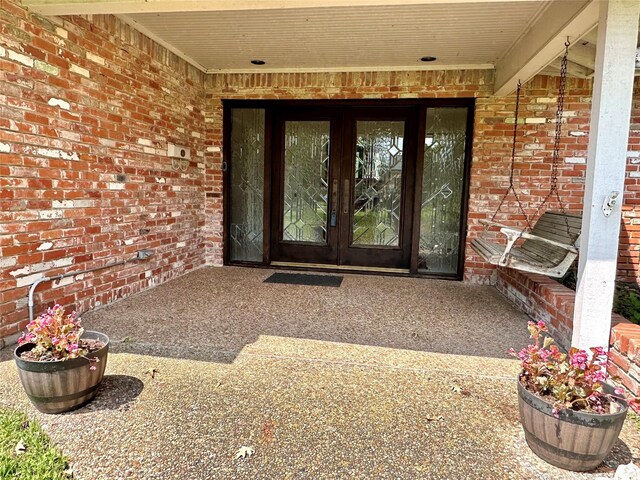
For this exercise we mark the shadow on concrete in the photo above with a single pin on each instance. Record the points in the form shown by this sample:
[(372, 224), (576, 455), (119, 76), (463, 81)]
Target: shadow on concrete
[(117, 392), (213, 313), (619, 455)]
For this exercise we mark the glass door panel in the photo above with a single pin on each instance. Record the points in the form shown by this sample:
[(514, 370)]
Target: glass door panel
[(306, 181), (305, 187), (377, 183), (246, 170), (377, 196), (442, 190)]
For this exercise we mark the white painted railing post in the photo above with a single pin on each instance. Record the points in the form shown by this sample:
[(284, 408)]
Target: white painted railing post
[(608, 138)]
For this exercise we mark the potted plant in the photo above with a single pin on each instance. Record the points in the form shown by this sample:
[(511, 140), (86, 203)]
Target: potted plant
[(59, 364), (571, 417)]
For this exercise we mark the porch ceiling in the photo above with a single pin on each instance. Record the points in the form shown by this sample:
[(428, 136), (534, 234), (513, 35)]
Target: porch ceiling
[(582, 58), (345, 38), (518, 38)]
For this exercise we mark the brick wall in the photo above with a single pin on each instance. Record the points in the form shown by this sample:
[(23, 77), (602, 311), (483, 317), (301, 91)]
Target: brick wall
[(493, 130), (88, 104), (329, 86), (629, 256), (542, 298), (87, 107)]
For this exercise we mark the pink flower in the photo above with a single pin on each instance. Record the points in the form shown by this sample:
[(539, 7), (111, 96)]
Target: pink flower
[(619, 391), (92, 367), (579, 359)]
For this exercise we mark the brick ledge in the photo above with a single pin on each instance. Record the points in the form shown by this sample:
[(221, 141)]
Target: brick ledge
[(543, 298)]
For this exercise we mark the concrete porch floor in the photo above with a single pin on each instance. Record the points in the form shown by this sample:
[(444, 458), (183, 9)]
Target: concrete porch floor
[(380, 378)]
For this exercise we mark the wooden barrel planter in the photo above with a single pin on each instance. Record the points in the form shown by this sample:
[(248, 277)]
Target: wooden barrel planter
[(573, 440), (62, 385)]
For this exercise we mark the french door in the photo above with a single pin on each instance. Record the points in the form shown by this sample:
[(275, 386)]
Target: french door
[(343, 193), (377, 185)]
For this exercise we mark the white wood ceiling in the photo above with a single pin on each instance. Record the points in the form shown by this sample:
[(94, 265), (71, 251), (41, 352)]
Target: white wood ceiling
[(581, 60), (470, 35)]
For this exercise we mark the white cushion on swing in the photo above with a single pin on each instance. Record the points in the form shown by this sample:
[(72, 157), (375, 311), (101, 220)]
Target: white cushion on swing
[(550, 248)]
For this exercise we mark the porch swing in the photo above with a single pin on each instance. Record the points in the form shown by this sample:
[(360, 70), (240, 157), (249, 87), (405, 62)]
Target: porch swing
[(551, 245)]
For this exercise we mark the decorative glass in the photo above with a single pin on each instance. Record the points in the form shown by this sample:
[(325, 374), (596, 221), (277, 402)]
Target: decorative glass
[(247, 184), (306, 181), (378, 183), (442, 188)]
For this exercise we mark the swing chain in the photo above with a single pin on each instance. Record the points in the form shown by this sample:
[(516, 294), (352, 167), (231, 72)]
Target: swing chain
[(515, 134), (559, 116), (512, 167), (555, 163)]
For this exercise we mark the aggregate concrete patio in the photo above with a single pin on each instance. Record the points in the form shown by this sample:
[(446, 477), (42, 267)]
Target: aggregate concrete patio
[(379, 378)]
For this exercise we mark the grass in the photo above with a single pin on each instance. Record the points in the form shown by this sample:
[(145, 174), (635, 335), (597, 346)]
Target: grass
[(626, 300), (40, 461)]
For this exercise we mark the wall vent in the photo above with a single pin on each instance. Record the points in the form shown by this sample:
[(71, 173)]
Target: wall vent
[(178, 151)]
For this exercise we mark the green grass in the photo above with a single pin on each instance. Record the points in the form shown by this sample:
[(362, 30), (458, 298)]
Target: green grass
[(626, 300), (41, 459)]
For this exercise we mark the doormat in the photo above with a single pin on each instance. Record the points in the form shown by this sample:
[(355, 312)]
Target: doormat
[(305, 279)]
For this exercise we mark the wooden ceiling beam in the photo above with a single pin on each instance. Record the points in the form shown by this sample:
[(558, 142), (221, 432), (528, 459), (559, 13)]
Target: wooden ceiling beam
[(544, 41), (584, 55), (124, 7), (573, 69)]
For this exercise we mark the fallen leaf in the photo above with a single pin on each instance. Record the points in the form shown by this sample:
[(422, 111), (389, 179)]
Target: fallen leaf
[(24, 425), (218, 385), (435, 419), (20, 448), (268, 431), (244, 452)]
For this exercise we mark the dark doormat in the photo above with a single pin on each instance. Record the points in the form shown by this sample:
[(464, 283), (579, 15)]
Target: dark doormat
[(305, 279)]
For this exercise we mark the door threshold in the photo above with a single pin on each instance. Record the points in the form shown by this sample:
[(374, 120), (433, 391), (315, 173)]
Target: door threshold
[(323, 266)]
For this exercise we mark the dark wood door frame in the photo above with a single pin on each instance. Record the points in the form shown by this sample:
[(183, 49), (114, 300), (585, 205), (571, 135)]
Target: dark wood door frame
[(379, 256), (297, 252), (421, 105)]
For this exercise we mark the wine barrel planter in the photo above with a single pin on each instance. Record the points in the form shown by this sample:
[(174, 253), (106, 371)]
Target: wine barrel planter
[(573, 440), (62, 385)]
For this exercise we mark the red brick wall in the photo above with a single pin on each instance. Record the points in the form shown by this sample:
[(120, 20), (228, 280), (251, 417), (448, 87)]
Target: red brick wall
[(86, 110), (542, 298), (629, 257), (321, 86), (83, 101), (493, 132)]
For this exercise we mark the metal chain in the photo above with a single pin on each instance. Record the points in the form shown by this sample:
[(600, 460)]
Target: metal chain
[(512, 166), (555, 162), (559, 115), (515, 133)]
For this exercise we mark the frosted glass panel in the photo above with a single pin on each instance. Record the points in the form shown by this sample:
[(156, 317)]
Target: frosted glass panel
[(247, 184), (442, 187), (378, 183), (306, 181)]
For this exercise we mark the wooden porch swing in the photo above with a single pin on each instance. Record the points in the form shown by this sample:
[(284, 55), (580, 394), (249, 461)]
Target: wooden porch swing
[(551, 245)]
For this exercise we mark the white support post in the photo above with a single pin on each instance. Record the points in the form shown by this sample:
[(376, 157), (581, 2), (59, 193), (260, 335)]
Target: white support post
[(609, 134)]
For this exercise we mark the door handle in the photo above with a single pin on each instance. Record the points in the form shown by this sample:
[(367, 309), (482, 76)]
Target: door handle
[(346, 195), (333, 220)]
